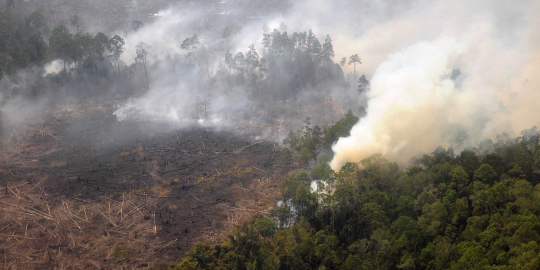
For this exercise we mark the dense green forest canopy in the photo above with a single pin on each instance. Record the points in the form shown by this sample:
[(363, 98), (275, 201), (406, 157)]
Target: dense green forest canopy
[(477, 209)]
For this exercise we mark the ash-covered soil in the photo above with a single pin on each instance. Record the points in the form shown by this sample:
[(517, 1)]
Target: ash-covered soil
[(81, 190)]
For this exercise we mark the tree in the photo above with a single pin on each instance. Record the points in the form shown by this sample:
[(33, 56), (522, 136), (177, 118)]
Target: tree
[(142, 51), (409, 227), (76, 22), (252, 53), (87, 54), (305, 155), (316, 49), (355, 59), (485, 174), (265, 227), (434, 218), (343, 61), (341, 129), (230, 61), (190, 43), (374, 216), (327, 52), (61, 43), (136, 25), (363, 86), (116, 47), (100, 44), (239, 59), (252, 57), (36, 48), (36, 21), (469, 161), (459, 178)]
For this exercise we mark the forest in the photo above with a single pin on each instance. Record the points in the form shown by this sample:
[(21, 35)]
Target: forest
[(225, 130), (62, 62), (477, 209)]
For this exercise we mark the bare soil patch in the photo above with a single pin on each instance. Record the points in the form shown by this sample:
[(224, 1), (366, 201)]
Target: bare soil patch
[(81, 190)]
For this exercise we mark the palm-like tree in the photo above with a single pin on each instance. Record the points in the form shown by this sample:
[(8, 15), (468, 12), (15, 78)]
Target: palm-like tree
[(353, 60)]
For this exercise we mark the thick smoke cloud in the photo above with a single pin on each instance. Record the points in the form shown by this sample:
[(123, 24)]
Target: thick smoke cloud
[(192, 87), (415, 105), (178, 91)]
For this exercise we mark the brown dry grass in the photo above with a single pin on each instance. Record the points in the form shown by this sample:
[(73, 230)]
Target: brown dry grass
[(41, 228), (58, 163)]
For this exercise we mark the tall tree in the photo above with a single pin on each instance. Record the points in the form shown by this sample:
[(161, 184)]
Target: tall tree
[(363, 86), (76, 22), (252, 54), (190, 44), (252, 60), (327, 52), (239, 59), (354, 59), (142, 51), (36, 21), (86, 50), (101, 42), (61, 43), (343, 61), (116, 47), (136, 25), (231, 63), (316, 49)]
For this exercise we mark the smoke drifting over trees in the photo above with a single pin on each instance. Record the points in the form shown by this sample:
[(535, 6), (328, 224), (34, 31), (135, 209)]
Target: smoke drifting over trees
[(408, 52), (215, 62)]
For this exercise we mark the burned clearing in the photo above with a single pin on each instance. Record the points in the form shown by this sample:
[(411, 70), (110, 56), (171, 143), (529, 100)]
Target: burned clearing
[(82, 190)]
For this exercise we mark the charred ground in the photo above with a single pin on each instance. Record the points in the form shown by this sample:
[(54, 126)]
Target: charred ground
[(82, 190)]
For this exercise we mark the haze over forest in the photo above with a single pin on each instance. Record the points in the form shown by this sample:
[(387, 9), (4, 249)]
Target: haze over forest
[(339, 87), (431, 66)]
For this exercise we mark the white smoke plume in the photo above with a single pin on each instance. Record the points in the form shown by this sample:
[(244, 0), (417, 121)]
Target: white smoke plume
[(175, 91), (53, 67), (415, 106)]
